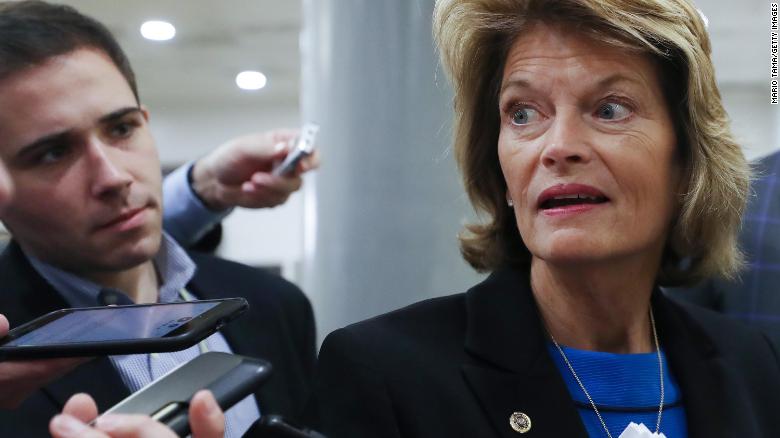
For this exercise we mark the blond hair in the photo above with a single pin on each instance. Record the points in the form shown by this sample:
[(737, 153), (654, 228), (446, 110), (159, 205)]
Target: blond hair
[(474, 36)]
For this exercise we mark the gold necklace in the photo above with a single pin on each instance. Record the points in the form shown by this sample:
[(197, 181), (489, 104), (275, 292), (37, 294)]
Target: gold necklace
[(593, 404)]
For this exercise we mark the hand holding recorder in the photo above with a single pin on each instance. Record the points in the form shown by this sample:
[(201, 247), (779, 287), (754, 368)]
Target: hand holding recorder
[(240, 173)]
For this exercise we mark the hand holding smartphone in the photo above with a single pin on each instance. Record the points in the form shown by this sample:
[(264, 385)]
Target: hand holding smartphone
[(111, 330), (229, 377)]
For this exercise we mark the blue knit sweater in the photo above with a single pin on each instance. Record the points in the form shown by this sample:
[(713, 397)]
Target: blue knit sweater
[(625, 388)]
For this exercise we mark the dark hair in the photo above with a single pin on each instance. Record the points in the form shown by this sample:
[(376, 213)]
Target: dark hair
[(33, 31)]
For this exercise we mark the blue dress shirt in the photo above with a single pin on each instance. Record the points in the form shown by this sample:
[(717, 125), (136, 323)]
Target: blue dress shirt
[(185, 217)]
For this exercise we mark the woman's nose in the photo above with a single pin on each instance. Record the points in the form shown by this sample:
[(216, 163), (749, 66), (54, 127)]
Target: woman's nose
[(567, 144)]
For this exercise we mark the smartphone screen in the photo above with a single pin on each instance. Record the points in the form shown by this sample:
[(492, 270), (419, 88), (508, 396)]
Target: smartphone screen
[(112, 324)]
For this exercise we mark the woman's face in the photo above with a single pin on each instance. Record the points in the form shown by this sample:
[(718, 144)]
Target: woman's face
[(587, 148)]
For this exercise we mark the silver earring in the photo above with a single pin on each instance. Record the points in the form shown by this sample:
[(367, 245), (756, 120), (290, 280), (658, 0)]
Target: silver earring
[(510, 202)]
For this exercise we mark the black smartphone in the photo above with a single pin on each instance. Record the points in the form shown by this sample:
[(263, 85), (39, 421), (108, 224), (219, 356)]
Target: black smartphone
[(99, 331), (229, 377)]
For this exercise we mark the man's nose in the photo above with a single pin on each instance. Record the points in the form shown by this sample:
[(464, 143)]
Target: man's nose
[(108, 176)]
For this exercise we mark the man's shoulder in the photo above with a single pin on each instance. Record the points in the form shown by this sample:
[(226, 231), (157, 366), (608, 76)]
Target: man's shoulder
[(216, 269), (12, 259), (213, 266), (25, 294), (765, 174), (278, 326), (220, 278), (729, 335), (767, 164)]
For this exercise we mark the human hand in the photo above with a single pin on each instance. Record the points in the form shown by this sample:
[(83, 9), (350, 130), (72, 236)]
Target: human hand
[(238, 173), (206, 421), (20, 378)]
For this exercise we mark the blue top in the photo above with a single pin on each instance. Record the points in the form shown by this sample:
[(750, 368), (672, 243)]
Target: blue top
[(625, 388)]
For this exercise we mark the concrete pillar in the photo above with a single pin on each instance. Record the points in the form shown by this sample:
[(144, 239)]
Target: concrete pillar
[(386, 206)]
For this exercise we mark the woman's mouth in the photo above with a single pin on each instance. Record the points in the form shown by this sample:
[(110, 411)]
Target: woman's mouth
[(564, 199), (569, 200)]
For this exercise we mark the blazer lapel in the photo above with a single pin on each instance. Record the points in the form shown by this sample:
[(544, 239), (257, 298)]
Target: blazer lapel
[(514, 372), (24, 294), (235, 333), (543, 398), (711, 395)]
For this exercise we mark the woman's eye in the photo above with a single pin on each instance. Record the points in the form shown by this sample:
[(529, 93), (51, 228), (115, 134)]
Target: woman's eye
[(613, 111), (523, 116)]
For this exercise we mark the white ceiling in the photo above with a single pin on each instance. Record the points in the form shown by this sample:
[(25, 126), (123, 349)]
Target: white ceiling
[(214, 41), (739, 32), (218, 38)]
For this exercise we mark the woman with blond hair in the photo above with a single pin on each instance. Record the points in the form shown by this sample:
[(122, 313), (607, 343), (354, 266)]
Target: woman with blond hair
[(592, 136)]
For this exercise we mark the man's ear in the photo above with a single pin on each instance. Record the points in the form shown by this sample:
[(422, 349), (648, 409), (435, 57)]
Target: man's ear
[(145, 112)]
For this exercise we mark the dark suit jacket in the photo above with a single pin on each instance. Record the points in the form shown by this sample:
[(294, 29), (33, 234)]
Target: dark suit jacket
[(278, 327), (754, 296), (459, 366)]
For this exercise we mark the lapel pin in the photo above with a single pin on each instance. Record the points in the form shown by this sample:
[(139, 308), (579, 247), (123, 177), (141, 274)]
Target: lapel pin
[(520, 422)]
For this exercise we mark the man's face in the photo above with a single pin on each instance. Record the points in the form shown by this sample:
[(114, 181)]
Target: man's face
[(84, 165)]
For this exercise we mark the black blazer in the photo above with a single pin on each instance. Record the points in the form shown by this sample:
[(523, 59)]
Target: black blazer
[(459, 366), (278, 327)]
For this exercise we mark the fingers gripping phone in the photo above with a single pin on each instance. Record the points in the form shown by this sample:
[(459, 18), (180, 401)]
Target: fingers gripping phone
[(304, 146), (110, 330), (229, 377)]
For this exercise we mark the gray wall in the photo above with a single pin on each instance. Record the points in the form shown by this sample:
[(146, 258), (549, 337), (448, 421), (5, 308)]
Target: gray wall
[(389, 203)]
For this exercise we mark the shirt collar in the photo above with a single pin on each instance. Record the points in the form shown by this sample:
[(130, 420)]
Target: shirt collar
[(172, 264)]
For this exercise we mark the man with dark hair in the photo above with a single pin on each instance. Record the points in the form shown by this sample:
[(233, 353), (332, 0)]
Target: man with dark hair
[(35, 31), (86, 221), (19, 378)]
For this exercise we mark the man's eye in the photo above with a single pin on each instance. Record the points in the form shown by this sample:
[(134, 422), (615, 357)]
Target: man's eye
[(52, 155), (122, 130), (613, 111), (524, 116)]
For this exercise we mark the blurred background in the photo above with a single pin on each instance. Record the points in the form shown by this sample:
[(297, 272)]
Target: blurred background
[(375, 228)]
